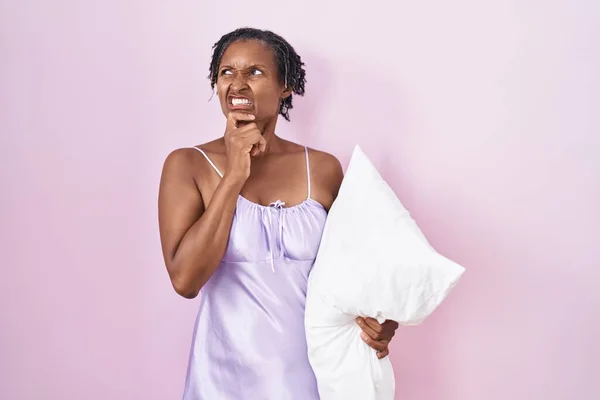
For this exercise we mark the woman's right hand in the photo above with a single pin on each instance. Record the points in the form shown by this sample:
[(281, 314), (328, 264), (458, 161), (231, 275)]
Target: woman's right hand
[(243, 140)]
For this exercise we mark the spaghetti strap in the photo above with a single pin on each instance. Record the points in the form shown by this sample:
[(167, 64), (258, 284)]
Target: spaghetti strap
[(307, 171), (209, 161)]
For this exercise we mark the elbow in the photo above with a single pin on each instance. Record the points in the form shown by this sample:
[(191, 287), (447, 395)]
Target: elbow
[(189, 294), (185, 289), (187, 280), (184, 285)]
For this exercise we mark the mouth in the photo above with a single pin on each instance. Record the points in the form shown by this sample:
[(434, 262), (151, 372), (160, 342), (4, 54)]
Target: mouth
[(239, 103)]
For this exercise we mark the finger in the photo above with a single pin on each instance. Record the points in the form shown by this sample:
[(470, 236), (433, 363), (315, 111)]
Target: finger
[(374, 324), (262, 144), (259, 147), (259, 144), (391, 324), (234, 117), (374, 344), (386, 331), (249, 127), (373, 332), (383, 353)]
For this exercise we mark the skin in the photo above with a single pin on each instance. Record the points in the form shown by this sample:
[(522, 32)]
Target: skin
[(196, 206)]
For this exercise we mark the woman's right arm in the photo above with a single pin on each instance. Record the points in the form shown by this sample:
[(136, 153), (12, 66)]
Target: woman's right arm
[(193, 238)]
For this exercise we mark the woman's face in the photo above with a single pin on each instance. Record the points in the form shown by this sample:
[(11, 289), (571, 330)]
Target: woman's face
[(248, 81)]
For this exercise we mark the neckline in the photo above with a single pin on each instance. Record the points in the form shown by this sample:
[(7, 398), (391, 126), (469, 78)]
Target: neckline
[(308, 200)]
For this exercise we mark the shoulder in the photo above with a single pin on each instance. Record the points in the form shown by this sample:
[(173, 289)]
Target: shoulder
[(187, 165), (325, 163), (324, 158), (189, 157), (322, 164), (326, 170)]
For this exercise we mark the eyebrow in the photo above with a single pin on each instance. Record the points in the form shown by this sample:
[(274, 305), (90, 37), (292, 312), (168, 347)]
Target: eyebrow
[(249, 67)]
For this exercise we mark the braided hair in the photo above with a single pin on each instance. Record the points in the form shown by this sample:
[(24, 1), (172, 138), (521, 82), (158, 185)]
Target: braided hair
[(289, 64)]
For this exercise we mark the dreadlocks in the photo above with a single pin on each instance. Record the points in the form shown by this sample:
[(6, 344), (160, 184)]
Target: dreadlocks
[(289, 65)]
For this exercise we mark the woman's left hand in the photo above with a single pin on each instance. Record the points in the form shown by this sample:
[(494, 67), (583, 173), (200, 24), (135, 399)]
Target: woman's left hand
[(376, 335)]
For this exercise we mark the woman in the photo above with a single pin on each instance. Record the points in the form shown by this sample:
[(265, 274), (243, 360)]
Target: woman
[(241, 218)]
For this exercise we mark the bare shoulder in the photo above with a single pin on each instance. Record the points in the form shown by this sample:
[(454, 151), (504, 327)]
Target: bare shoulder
[(327, 175), (186, 172), (326, 165), (190, 160), (180, 158)]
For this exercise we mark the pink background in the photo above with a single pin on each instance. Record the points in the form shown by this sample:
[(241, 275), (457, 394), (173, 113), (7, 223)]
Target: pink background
[(483, 116)]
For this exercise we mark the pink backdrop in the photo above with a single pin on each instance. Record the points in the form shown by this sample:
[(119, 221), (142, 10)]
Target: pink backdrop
[(482, 115)]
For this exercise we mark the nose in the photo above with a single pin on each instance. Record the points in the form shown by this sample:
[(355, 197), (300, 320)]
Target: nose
[(239, 82)]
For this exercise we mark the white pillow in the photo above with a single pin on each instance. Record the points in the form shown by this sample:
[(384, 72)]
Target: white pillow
[(373, 261)]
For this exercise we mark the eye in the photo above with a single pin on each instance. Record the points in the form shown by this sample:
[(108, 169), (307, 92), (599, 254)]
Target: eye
[(256, 72), (226, 72)]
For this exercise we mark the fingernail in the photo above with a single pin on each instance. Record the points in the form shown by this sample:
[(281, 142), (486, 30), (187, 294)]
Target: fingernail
[(359, 320), (363, 335)]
